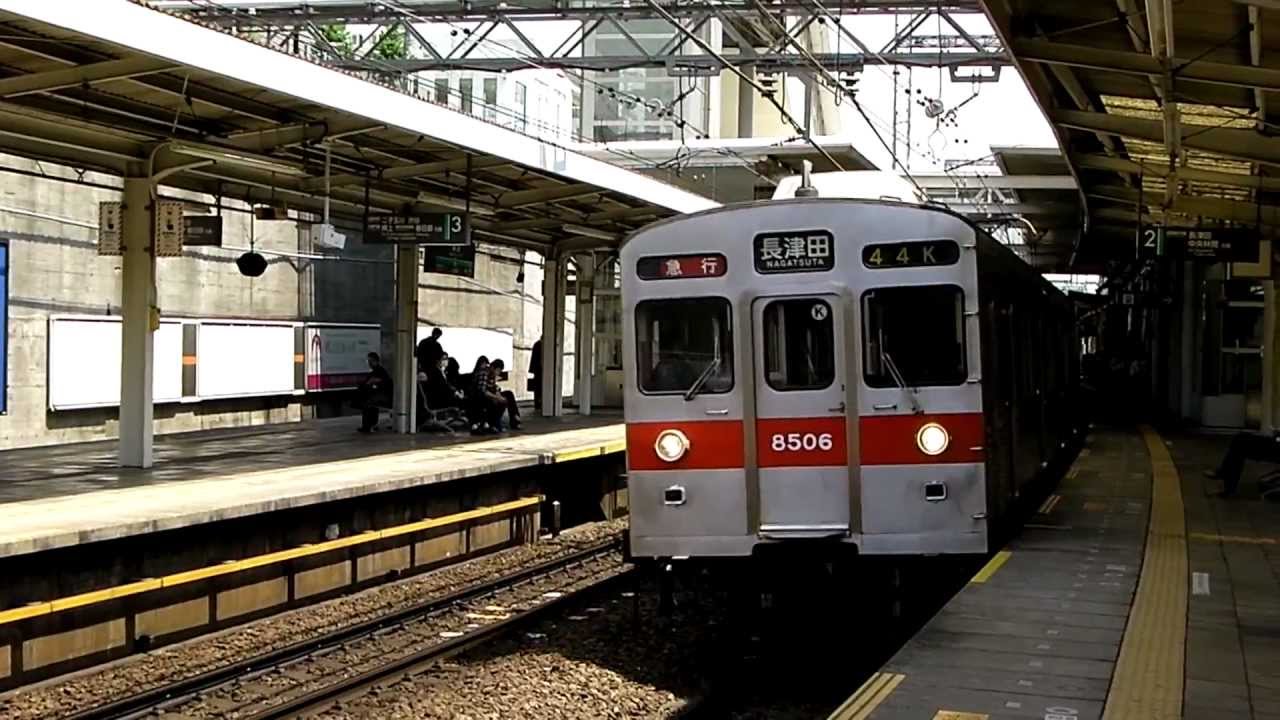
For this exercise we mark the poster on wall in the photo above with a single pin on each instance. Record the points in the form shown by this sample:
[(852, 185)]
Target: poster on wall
[(4, 327), (336, 354)]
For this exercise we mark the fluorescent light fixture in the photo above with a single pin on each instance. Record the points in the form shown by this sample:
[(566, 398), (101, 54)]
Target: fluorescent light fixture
[(593, 233), (218, 154)]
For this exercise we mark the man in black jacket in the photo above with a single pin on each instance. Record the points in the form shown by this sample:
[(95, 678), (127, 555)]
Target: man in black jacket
[(429, 351), (374, 392)]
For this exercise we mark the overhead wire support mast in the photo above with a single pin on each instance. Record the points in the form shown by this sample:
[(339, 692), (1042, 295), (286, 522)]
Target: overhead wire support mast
[(836, 85), (800, 130)]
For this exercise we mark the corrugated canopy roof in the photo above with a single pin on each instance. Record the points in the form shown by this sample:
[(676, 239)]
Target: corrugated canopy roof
[(1157, 103), (114, 86)]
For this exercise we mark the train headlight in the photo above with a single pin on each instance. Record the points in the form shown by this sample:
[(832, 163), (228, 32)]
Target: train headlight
[(671, 445), (932, 439)]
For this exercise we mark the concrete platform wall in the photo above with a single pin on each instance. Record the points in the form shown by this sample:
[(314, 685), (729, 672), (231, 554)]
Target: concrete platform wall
[(55, 269)]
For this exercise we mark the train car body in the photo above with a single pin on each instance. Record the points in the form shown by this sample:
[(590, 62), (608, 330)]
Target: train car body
[(879, 375)]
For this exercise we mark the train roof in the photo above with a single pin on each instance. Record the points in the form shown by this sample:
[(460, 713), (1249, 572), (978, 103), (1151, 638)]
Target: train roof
[(1010, 255)]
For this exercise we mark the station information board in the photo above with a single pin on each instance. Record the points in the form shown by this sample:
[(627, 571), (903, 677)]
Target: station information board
[(457, 260), (445, 229), (1203, 244)]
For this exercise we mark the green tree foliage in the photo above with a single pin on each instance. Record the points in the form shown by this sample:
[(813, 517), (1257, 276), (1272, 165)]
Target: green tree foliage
[(393, 44), (340, 39)]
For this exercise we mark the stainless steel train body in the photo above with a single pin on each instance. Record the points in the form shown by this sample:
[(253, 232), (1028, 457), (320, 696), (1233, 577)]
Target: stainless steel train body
[(879, 374)]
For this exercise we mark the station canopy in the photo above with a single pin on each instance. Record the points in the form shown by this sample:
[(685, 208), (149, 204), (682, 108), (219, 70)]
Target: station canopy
[(121, 88), (1163, 108)]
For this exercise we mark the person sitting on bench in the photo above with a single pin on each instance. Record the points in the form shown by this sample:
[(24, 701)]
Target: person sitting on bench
[(508, 397), (373, 392), (484, 409), (441, 394), (1245, 446)]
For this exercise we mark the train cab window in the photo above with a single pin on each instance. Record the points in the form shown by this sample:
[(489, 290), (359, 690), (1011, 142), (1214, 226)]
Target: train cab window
[(799, 339), (684, 345), (913, 336)]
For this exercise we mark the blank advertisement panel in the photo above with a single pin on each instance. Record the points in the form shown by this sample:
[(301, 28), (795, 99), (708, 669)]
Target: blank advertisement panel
[(84, 362), (244, 358)]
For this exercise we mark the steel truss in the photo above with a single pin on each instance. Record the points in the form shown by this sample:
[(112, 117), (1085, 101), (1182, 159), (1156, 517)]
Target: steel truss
[(748, 36)]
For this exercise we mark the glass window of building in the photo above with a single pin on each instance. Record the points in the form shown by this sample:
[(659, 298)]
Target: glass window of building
[(464, 89)]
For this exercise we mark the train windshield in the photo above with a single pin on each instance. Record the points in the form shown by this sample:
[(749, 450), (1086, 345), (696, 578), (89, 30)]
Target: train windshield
[(680, 340), (915, 334)]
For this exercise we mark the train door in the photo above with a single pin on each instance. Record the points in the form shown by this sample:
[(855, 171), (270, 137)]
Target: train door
[(801, 415)]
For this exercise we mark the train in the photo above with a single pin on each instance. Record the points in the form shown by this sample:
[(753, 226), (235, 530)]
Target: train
[(878, 376)]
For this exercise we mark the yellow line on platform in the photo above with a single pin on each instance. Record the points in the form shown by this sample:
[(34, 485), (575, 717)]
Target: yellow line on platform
[(235, 566), (868, 697), (609, 448), (1049, 504), (995, 563), (1148, 678)]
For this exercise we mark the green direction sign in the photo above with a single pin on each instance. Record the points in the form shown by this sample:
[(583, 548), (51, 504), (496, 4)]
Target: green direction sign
[(450, 260), (444, 229)]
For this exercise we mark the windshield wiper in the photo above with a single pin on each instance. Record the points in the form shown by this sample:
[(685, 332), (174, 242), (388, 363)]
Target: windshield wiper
[(901, 382), (702, 379)]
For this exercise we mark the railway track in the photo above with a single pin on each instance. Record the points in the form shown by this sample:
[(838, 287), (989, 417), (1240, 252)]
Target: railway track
[(310, 675)]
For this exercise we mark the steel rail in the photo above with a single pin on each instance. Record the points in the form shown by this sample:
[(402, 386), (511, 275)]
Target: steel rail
[(355, 685), (150, 700)]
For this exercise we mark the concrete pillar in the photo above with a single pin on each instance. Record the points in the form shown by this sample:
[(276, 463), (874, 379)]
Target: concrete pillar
[(552, 337), (137, 334), (746, 101), (1269, 365), (405, 405), (1190, 404), (585, 320)]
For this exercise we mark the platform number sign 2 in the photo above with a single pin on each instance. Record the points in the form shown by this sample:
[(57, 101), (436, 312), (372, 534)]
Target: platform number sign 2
[(1150, 241)]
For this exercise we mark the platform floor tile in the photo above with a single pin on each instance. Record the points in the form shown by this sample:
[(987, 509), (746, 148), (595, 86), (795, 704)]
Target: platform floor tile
[(1040, 636)]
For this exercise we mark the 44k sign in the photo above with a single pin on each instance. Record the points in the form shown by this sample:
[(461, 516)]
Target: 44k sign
[(797, 251)]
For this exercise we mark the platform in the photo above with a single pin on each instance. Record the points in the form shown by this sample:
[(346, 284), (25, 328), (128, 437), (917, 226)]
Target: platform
[(72, 494), (1134, 593)]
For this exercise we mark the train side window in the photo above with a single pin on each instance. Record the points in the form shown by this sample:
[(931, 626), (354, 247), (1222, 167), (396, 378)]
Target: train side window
[(679, 340), (799, 340), (913, 335)]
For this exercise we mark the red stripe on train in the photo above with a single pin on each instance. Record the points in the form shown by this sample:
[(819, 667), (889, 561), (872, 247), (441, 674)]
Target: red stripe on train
[(891, 439), (803, 442), (713, 445)]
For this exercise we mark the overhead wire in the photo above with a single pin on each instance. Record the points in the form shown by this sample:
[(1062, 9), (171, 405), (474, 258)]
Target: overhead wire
[(665, 108)]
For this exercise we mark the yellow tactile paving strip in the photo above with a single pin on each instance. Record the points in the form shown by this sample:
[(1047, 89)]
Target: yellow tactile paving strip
[(873, 692), (1148, 679)]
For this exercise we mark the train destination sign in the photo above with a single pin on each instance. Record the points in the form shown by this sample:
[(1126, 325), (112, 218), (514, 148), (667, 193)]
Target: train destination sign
[(670, 267), (911, 254), (796, 251), (419, 229)]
